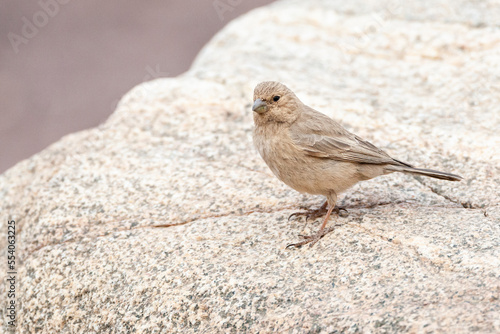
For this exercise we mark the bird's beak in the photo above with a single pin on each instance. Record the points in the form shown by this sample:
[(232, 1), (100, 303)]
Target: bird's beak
[(259, 106)]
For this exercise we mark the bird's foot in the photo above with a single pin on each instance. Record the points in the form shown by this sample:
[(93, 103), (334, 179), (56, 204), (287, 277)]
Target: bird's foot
[(341, 212), (312, 239), (318, 212)]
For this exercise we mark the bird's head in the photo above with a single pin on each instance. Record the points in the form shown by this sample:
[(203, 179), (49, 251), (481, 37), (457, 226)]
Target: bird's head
[(274, 102)]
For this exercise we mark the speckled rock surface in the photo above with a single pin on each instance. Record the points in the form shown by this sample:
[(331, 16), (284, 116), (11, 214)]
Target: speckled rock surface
[(415, 255)]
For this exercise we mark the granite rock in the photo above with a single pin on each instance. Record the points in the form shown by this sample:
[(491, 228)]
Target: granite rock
[(420, 80)]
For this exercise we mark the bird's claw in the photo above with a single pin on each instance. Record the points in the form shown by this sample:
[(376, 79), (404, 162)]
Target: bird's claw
[(308, 214), (341, 212), (311, 213), (305, 213), (311, 239), (316, 213)]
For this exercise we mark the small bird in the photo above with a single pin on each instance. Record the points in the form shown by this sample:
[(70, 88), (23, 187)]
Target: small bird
[(312, 153)]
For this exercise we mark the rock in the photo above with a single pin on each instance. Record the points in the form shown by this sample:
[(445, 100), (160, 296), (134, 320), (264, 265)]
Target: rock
[(414, 254)]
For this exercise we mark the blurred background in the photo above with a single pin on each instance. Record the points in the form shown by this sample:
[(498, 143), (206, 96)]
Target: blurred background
[(65, 64)]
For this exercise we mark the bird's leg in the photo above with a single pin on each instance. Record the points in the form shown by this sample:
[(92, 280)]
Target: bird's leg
[(312, 239), (318, 212)]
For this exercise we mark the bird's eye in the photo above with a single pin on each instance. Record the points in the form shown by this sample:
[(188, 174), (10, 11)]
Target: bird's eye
[(276, 98)]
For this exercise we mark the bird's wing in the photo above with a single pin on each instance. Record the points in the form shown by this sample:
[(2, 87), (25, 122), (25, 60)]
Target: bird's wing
[(325, 138)]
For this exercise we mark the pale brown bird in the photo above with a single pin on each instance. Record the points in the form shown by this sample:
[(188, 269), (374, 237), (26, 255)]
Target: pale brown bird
[(312, 153)]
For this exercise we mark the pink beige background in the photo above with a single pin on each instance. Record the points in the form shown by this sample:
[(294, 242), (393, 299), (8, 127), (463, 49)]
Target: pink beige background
[(69, 73)]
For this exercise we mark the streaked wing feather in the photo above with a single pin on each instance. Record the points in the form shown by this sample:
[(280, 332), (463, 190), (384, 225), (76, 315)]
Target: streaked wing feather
[(320, 136), (349, 148)]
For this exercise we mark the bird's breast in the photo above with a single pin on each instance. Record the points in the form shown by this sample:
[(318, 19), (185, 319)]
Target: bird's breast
[(275, 147), (283, 157), (298, 170)]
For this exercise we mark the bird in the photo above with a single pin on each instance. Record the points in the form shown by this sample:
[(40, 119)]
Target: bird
[(312, 153)]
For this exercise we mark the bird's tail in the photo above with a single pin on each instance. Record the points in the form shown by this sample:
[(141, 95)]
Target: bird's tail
[(425, 172)]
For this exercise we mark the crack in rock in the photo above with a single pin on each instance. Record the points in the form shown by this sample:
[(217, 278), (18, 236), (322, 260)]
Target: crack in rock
[(466, 205)]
